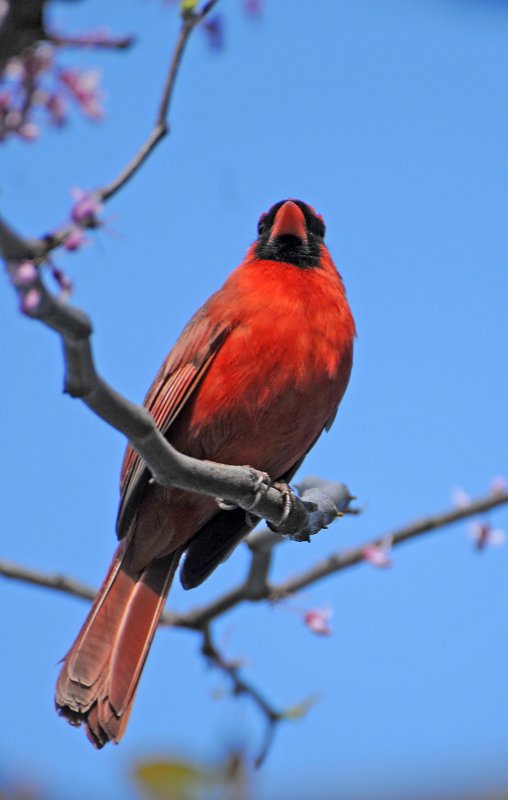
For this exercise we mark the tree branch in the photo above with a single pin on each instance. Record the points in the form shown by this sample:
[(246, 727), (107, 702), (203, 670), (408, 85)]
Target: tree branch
[(14, 247), (48, 580)]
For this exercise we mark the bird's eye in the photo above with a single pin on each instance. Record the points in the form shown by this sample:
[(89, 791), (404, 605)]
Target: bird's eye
[(261, 226)]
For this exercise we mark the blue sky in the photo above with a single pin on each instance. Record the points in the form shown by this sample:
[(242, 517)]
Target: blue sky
[(390, 117)]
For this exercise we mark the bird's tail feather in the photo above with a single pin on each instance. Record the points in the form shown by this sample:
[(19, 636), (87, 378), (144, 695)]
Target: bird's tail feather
[(101, 671)]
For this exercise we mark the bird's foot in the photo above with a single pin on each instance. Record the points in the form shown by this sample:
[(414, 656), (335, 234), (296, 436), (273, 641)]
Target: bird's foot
[(288, 497), (261, 483)]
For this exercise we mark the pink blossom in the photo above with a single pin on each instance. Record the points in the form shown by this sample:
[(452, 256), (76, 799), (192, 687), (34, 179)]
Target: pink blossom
[(23, 274), (28, 131), (33, 82), (85, 209), (317, 621), (14, 69), (460, 499), (75, 239), (38, 60), (378, 555), (30, 301), (498, 485), (84, 88), (482, 533)]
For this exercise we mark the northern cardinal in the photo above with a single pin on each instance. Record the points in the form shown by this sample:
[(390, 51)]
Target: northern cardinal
[(254, 378)]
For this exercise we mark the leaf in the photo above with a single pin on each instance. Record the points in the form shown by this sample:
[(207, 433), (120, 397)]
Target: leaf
[(187, 7), (172, 780), (301, 709)]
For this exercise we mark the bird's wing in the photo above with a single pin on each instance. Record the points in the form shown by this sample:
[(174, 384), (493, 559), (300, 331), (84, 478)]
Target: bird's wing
[(178, 377)]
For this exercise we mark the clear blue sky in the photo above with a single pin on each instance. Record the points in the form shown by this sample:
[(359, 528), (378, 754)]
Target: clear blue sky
[(391, 118)]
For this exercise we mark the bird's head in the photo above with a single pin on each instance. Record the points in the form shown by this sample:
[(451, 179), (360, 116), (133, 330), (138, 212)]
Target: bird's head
[(291, 232)]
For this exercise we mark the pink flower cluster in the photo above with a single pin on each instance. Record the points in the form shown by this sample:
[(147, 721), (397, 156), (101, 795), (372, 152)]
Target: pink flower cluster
[(24, 276), (84, 214), (84, 88), (316, 620), (33, 84)]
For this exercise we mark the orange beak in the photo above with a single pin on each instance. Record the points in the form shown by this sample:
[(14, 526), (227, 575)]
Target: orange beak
[(289, 221)]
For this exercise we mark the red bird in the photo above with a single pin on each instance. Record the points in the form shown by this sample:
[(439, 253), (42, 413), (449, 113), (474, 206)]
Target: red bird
[(254, 378)]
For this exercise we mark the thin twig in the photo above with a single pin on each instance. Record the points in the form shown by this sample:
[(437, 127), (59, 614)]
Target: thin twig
[(161, 127), (241, 686), (87, 41), (48, 580)]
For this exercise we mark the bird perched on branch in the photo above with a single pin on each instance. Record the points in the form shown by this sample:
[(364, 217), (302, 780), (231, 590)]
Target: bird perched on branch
[(254, 378)]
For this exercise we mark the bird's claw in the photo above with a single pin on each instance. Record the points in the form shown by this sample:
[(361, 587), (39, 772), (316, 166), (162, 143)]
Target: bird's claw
[(262, 482), (288, 497), (224, 505)]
